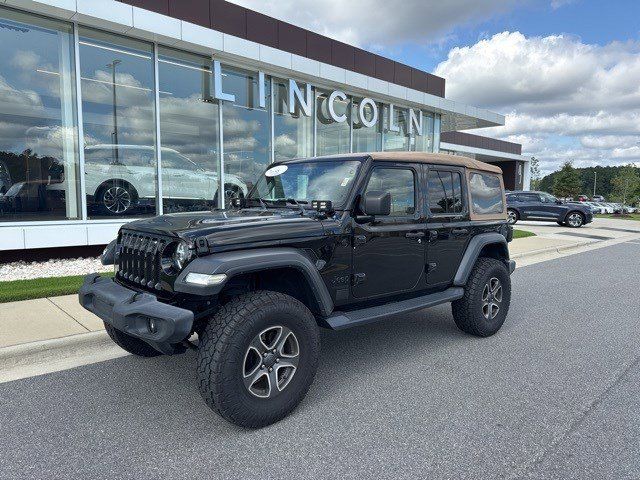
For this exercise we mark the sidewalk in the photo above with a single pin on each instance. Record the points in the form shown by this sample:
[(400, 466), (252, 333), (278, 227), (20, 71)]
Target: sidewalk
[(44, 319), (52, 318)]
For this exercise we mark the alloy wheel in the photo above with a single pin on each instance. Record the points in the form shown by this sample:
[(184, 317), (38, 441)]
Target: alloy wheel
[(271, 361), (575, 220), (491, 298), (512, 217), (116, 199)]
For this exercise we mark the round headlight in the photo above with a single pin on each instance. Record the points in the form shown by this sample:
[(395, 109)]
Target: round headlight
[(181, 255)]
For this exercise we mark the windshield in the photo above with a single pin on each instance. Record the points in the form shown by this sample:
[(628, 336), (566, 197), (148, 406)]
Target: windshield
[(308, 181)]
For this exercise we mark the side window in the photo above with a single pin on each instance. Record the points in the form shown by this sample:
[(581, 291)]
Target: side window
[(400, 183), (445, 192), (486, 193)]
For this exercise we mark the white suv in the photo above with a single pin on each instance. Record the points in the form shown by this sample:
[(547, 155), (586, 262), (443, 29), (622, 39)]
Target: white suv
[(122, 177)]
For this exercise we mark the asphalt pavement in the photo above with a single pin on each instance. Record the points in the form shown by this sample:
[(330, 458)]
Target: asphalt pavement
[(555, 394)]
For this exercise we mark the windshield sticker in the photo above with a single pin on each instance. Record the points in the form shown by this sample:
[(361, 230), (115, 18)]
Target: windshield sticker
[(275, 171), (345, 182)]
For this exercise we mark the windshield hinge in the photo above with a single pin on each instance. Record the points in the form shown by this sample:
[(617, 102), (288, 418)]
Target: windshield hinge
[(202, 245)]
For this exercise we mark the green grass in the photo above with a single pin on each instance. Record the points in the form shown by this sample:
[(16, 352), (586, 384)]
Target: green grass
[(522, 234), (39, 288), (630, 216)]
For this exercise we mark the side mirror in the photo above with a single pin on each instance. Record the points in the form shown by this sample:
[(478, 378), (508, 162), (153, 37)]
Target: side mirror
[(376, 203), (558, 202)]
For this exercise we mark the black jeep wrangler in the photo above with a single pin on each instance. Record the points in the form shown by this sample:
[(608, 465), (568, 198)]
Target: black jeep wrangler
[(332, 242)]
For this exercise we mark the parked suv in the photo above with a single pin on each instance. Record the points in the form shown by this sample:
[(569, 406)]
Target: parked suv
[(123, 177), (544, 207), (332, 242)]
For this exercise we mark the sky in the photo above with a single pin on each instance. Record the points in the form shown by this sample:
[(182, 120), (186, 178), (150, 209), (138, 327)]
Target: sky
[(566, 73)]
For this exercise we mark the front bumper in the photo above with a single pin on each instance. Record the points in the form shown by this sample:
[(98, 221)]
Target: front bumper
[(140, 315)]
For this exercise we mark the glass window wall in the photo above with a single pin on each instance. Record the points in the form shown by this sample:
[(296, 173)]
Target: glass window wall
[(332, 137), (118, 99), (293, 133), (189, 132), (396, 141), (366, 139), (424, 142), (246, 130), (38, 139)]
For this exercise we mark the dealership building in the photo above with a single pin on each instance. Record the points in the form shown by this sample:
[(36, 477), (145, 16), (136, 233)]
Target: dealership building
[(115, 110)]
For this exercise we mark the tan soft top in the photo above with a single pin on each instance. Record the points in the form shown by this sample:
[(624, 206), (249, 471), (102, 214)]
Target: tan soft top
[(435, 158)]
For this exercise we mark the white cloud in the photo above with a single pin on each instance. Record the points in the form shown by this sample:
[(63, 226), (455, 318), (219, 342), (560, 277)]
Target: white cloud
[(564, 99), (366, 22)]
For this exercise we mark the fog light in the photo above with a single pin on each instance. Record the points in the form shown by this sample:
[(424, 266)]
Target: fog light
[(153, 328), (205, 280)]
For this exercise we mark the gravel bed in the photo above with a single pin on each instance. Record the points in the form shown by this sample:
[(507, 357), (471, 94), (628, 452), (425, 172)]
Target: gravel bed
[(55, 267)]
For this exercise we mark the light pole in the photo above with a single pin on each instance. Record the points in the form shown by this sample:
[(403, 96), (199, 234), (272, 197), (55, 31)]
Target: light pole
[(114, 135), (595, 177)]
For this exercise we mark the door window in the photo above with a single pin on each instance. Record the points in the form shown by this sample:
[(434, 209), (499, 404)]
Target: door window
[(529, 197), (445, 192), (400, 183)]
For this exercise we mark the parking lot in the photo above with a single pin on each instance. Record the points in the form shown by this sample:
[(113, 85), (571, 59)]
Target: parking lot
[(552, 395)]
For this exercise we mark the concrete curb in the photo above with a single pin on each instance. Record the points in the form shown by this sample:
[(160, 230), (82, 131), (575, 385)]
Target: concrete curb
[(559, 250), (23, 353)]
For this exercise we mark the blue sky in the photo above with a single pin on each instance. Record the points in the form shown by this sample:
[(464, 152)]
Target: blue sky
[(566, 73), (593, 21)]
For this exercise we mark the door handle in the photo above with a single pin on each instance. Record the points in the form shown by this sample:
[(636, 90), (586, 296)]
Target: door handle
[(415, 235), (460, 231)]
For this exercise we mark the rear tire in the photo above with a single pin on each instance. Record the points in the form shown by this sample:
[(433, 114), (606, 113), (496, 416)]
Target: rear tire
[(130, 344), (485, 304), (257, 358), (512, 216)]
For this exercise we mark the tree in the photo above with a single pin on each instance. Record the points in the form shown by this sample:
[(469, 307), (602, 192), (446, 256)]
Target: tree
[(535, 173), (626, 184), (567, 183)]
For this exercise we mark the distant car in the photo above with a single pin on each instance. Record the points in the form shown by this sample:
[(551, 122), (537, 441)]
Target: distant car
[(597, 198), (605, 207), (542, 206), (583, 198), (595, 209), (5, 178), (119, 179)]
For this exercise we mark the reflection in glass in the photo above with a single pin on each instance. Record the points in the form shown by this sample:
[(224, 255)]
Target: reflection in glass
[(424, 142), (118, 99), (400, 183), (366, 139), (247, 131), (293, 133), (445, 192), (307, 181), (332, 137), (188, 132), (38, 141), (396, 141), (486, 193)]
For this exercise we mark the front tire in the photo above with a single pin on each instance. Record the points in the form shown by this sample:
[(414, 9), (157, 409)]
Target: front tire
[(575, 220), (257, 358), (487, 296), (512, 217), (130, 344)]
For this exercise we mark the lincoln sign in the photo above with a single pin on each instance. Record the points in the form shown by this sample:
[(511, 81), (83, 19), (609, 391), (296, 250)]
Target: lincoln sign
[(301, 102)]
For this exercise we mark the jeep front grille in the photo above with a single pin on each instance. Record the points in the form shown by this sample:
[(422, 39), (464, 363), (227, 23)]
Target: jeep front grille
[(140, 258)]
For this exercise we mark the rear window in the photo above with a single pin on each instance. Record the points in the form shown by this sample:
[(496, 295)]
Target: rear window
[(486, 193)]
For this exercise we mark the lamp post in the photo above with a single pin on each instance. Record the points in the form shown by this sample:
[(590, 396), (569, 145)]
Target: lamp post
[(114, 135)]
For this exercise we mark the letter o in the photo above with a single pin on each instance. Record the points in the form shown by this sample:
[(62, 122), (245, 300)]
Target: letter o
[(363, 105)]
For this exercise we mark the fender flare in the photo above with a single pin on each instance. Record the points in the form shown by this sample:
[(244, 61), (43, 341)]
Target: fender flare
[(248, 261), (474, 248)]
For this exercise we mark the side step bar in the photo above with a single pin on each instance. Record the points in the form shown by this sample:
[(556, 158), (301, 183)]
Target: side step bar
[(355, 318)]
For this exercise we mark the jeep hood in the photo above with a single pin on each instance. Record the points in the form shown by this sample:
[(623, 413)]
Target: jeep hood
[(229, 227)]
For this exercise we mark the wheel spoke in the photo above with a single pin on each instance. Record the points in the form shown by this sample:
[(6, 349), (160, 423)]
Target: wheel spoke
[(252, 379)]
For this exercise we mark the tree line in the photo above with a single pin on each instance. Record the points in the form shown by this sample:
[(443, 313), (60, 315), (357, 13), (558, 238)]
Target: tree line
[(618, 184)]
